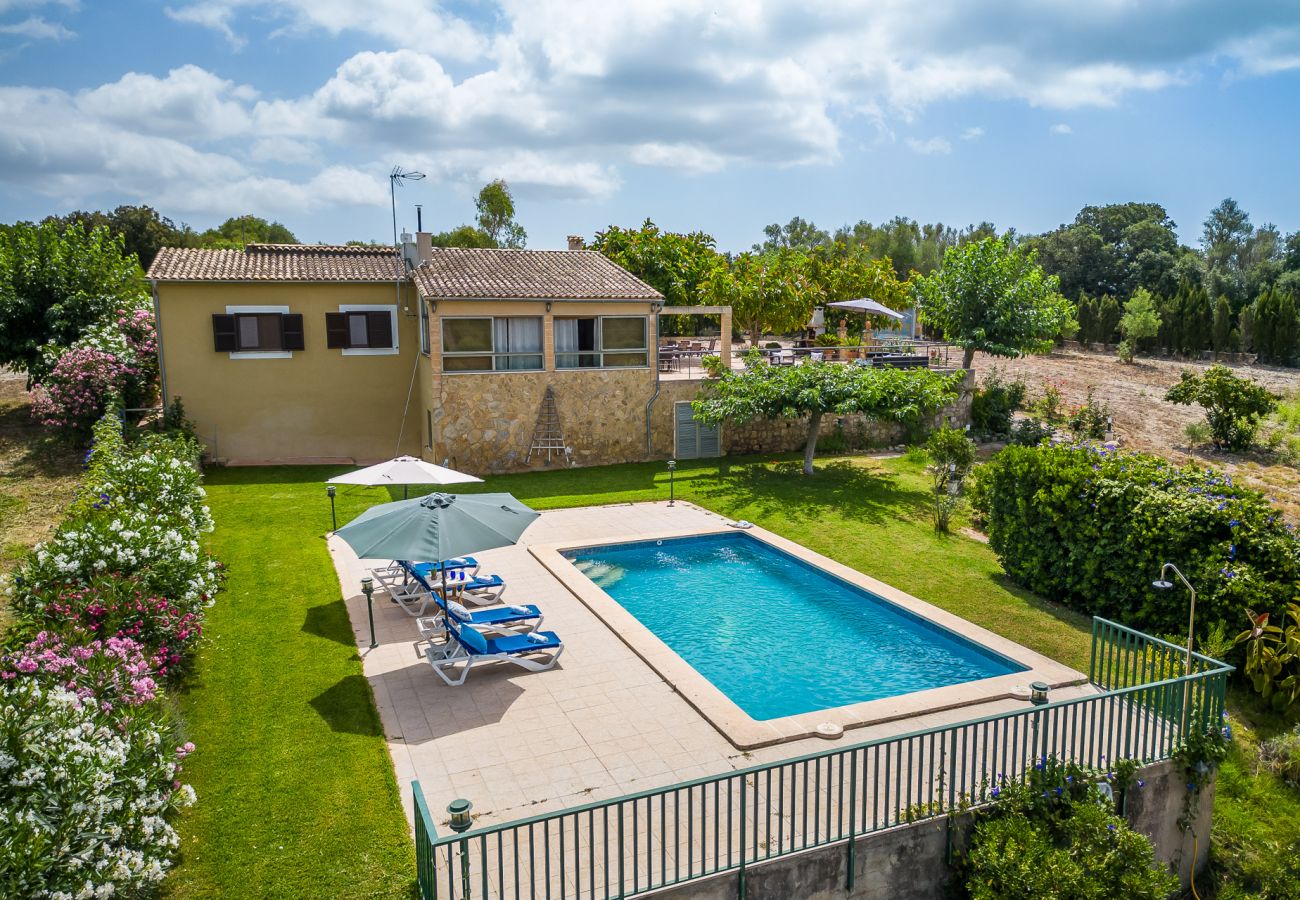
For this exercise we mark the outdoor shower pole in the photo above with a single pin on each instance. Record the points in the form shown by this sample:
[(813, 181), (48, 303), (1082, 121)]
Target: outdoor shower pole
[(672, 469)]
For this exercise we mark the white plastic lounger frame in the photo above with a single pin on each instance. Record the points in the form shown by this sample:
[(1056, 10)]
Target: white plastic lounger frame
[(445, 657), (409, 595)]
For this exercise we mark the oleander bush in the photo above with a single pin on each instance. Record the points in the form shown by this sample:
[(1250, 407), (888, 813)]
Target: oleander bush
[(85, 795), (1090, 528), (109, 612)]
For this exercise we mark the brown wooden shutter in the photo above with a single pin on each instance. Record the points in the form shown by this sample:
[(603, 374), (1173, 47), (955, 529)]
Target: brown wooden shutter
[(291, 335), (336, 330), (223, 333), (379, 327)]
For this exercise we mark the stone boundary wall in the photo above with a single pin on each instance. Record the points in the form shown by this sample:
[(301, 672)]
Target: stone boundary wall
[(484, 423), (911, 862)]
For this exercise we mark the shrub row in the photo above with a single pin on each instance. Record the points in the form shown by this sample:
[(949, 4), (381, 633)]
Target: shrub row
[(1090, 528), (109, 612)]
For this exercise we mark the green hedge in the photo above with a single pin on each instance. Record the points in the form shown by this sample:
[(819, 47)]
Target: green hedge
[(1090, 528)]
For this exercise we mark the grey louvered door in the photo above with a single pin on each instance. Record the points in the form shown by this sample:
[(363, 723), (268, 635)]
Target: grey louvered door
[(694, 439)]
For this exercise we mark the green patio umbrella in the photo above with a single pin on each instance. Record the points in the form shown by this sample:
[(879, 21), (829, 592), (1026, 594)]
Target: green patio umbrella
[(437, 527)]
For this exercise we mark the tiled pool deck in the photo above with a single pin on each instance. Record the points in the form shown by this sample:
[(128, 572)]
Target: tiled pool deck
[(602, 723)]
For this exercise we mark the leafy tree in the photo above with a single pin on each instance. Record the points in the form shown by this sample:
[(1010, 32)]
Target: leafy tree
[(1233, 406), (951, 456), (988, 296), (1221, 330), (496, 216), (910, 245), (797, 234), (55, 284), (1112, 249), (813, 389), (772, 292), (1139, 324), (238, 232), (143, 230), (676, 265), (463, 236)]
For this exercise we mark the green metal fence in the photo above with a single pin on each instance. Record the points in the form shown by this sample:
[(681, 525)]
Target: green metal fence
[(640, 842)]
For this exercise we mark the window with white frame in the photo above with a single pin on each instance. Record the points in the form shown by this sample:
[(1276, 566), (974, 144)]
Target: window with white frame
[(492, 344), (595, 342), (362, 329), (257, 332)]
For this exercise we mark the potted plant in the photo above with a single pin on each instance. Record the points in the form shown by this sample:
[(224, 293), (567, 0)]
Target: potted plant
[(712, 365)]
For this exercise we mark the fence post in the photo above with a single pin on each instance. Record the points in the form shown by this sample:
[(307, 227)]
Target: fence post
[(853, 810), (1092, 655), (740, 879)]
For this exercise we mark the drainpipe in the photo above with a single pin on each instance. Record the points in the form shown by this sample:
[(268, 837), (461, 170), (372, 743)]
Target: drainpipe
[(158, 338), (654, 362)]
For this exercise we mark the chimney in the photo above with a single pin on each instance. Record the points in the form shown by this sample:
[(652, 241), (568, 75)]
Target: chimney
[(424, 244), (576, 242), (408, 250)]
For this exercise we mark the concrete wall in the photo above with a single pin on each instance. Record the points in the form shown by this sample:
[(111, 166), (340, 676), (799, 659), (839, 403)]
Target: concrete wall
[(911, 862), (317, 405)]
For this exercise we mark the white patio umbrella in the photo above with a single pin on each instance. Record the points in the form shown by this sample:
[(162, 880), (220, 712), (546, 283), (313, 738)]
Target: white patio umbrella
[(868, 306), (404, 470)]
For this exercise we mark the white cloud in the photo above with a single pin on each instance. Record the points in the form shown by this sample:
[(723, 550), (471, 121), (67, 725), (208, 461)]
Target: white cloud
[(935, 146), (557, 96), (209, 15), (1060, 128), (688, 158), (37, 28)]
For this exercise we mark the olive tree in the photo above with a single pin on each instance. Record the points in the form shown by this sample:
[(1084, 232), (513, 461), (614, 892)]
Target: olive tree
[(814, 389), (1233, 406), (991, 297)]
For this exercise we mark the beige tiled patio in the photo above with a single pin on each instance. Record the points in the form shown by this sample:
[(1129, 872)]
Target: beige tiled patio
[(600, 724)]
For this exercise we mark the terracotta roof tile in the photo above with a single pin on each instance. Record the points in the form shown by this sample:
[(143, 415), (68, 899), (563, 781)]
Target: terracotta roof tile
[(278, 262), (454, 273)]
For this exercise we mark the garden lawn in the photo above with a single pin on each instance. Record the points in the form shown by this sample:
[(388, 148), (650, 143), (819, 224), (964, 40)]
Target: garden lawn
[(297, 796), (296, 792)]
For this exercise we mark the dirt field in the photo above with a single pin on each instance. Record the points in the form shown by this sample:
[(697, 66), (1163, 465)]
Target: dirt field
[(1144, 421), (37, 477)]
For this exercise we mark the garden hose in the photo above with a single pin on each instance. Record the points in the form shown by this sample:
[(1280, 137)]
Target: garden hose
[(1194, 855)]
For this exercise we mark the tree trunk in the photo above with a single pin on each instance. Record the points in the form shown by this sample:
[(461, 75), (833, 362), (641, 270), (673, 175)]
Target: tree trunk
[(967, 358), (814, 426)]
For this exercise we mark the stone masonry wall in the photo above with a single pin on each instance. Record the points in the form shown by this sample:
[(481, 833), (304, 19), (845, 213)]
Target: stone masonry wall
[(485, 423)]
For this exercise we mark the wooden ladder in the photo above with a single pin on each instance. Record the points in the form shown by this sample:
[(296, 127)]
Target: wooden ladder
[(547, 436)]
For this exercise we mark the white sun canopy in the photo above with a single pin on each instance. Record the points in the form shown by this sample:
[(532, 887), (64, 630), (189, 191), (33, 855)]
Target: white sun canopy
[(404, 470)]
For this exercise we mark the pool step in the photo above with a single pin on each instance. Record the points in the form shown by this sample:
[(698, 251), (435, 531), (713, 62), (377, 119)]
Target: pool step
[(603, 574)]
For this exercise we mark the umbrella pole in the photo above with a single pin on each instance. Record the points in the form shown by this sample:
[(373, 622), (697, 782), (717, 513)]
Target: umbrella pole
[(405, 491)]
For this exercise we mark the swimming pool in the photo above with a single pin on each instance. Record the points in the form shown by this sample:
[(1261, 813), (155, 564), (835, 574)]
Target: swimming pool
[(775, 634)]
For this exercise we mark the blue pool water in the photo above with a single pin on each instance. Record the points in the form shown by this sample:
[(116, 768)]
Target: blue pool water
[(777, 635)]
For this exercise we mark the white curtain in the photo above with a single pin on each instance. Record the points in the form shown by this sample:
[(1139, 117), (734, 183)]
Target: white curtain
[(566, 335)]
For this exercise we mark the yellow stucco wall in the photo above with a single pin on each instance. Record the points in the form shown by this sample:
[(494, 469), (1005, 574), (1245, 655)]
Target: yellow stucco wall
[(319, 405)]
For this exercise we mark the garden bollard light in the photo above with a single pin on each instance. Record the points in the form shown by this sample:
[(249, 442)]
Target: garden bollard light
[(334, 522), (672, 468), (460, 823), (368, 588)]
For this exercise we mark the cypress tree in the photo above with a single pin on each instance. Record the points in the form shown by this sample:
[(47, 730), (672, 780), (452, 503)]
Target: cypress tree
[(1108, 316), (1246, 324), (1087, 319), (1222, 327)]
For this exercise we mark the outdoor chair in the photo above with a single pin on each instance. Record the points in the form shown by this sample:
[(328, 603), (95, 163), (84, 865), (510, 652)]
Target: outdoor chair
[(504, 619), (467, 647)]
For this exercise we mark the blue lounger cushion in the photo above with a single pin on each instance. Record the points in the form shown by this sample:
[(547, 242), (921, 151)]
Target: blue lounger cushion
[(429, 568), (475, 583), (521, 643), (498, 616), (473, 641)]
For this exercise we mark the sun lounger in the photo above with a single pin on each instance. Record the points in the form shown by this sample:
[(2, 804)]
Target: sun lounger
[(466, 647), (434, 569), (481, 590), (506, 619)]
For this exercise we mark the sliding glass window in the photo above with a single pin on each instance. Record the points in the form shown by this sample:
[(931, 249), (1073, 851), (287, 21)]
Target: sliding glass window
[(487, 344), (600, 342)]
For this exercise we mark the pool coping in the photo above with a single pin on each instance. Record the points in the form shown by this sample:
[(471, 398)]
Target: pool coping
[(747, 733)]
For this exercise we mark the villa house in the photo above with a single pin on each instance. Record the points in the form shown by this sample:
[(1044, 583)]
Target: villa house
[(488, 359)]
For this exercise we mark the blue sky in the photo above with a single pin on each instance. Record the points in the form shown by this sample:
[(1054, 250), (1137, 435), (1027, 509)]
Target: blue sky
[(720, 117)]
